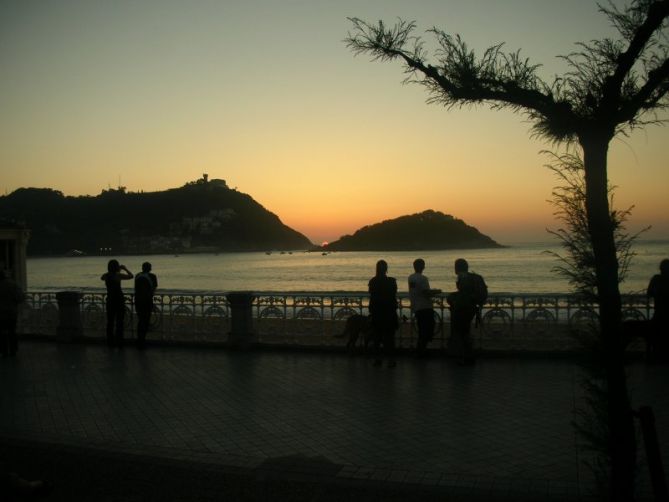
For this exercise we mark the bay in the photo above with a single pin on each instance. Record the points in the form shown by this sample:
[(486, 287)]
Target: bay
[(525, 268)]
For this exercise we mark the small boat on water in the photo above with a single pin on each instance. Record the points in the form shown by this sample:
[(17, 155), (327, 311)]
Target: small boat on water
[(73, 253)]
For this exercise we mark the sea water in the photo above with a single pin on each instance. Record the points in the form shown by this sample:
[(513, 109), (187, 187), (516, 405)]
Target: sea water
[(526, 268)]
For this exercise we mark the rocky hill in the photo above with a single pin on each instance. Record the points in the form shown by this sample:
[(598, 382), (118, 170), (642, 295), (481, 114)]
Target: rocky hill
[(429, 230), (205, 215)]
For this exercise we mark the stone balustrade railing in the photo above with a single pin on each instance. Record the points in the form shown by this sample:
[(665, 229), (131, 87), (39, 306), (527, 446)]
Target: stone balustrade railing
[(510, 321)]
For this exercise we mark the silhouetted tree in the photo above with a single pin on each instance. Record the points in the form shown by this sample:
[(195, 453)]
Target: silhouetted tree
[(613, 86), (577, 265)]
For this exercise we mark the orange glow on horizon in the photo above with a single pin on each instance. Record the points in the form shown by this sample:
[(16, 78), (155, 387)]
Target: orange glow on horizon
[(327, 141)]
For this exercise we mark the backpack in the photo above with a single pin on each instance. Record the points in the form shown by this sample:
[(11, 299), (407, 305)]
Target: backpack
[(480, 289), (143, 287), (479, 295)]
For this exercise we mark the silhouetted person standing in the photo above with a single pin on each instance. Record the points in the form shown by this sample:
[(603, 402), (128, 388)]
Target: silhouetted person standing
[(658, 289), (11, 295), (383, 310), (145, 287), (466, 304), (420, 296), (115, 301)]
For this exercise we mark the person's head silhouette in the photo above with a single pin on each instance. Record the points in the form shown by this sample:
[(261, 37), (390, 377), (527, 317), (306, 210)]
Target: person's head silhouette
[(461, 266), (664, 266)]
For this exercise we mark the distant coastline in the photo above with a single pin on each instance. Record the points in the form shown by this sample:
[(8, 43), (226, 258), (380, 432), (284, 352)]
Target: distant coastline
[(554, 244)]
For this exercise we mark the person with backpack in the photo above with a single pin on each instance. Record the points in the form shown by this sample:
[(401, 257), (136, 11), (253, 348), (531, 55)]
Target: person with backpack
[(466, 304), (145, 287)]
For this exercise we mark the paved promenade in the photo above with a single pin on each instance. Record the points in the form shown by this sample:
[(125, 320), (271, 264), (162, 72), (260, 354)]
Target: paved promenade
[(209, 424)]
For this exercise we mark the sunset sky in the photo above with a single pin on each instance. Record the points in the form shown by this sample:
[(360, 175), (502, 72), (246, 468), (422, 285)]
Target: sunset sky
[(150, 94)]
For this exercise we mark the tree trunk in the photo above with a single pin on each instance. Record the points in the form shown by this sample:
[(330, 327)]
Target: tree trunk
[(622, 441)]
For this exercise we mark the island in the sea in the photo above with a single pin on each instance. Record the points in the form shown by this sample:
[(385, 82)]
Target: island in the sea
[(429, 230)]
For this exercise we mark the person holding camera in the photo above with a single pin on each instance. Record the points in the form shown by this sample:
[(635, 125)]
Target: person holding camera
[(115, 301)]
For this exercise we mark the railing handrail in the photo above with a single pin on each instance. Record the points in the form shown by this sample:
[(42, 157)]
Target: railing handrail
[(401, 294)]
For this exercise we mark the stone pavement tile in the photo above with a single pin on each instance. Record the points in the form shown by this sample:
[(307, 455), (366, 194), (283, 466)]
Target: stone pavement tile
[(363, 473), (448, 479), (431, 478), (414, 477), (464, 482), (380, 474), (397, 476), (347, 471)]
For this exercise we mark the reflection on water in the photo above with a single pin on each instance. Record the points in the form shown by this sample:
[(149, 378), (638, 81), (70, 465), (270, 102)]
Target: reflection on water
[(521, 269)]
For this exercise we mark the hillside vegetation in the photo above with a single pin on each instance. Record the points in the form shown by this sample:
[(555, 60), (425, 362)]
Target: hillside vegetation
[(205, 215)]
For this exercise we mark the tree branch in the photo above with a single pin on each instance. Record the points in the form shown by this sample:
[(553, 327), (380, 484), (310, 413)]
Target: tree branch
[(651, 93), (461, 78), (657, 12)]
